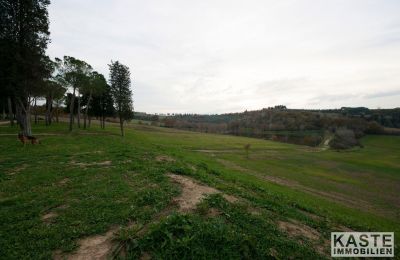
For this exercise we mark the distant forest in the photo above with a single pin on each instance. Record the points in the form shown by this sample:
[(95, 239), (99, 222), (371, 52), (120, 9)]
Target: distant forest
[(308, 127)]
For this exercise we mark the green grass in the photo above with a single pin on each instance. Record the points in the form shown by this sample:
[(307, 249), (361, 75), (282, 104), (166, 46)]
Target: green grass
[(65, 175)]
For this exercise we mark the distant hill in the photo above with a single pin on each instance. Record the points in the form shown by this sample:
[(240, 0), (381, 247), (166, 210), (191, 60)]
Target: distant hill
[(308, 127)]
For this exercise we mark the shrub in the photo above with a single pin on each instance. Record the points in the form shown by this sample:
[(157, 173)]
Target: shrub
[(344, 138), (374, 128)]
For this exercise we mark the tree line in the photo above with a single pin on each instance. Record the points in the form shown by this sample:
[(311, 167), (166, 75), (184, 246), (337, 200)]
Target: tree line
[(292, 125), (29, 76)]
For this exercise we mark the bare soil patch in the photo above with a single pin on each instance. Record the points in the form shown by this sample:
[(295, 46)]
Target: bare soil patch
[(164, 158), (97, 247), (102, 246), (63, 181), (344, 228), (192, 192), (213, 212), (230, 198), (296, 228), (92, 152), (82, 164), (49, 217), (64, 206), (18, 169)]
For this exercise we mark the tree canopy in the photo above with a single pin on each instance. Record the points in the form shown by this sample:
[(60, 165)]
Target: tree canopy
[(121, 92), (24, 65)]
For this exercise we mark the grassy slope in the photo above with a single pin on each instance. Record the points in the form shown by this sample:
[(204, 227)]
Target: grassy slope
[(35, 180)]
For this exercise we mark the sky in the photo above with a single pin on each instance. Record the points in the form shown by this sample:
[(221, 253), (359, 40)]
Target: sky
[(218, 56)]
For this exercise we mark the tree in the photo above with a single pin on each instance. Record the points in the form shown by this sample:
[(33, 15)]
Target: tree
[(103, 106), (74, 73), (53, 90), (96, 86), (24, 36), (120, 82), (59, 97)]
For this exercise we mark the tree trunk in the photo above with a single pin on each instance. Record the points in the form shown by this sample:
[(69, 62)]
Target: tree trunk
[(57, 112), (35, 112), (46, 115), (79, 111), (51, 111), (24, 118), (4, 112), (87, 109), (121, 124), (71, 110), (10, 111), (49, 101)]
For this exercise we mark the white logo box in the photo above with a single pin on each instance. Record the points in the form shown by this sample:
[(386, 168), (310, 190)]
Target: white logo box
[(362, 244)]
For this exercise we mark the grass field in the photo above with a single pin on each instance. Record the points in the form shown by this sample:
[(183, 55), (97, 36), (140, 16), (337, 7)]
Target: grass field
[(284, 200)]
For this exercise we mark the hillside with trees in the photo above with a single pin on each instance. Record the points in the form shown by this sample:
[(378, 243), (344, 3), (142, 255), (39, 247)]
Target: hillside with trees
[(308, 127)]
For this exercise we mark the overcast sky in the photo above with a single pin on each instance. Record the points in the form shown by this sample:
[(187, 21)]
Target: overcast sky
[(215, 56)]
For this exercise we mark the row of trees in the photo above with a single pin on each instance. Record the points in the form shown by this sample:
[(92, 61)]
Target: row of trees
[(28, 75)]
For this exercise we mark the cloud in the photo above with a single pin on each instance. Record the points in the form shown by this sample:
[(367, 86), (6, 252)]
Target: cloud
[(384, 94), (218, 56)]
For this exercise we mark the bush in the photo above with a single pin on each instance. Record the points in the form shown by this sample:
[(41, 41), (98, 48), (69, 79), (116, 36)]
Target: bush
[(344, 138), (374, 128)]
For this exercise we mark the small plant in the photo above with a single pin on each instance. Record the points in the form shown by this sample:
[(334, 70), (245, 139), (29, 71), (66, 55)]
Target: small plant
[(247, 148)]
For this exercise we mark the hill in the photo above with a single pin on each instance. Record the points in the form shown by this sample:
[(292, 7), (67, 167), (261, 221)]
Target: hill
[(299, 126), (179, 194)]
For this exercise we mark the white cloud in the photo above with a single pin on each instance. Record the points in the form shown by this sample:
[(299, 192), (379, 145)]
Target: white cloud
[(223, 56)]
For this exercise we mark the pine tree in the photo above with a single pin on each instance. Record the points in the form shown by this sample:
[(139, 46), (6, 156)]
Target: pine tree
[(120, 82), (24, 34)]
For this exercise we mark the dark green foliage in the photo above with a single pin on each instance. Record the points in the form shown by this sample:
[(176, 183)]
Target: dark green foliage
[(24, 34), (75, 74), (103, 105), (120, 83)]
